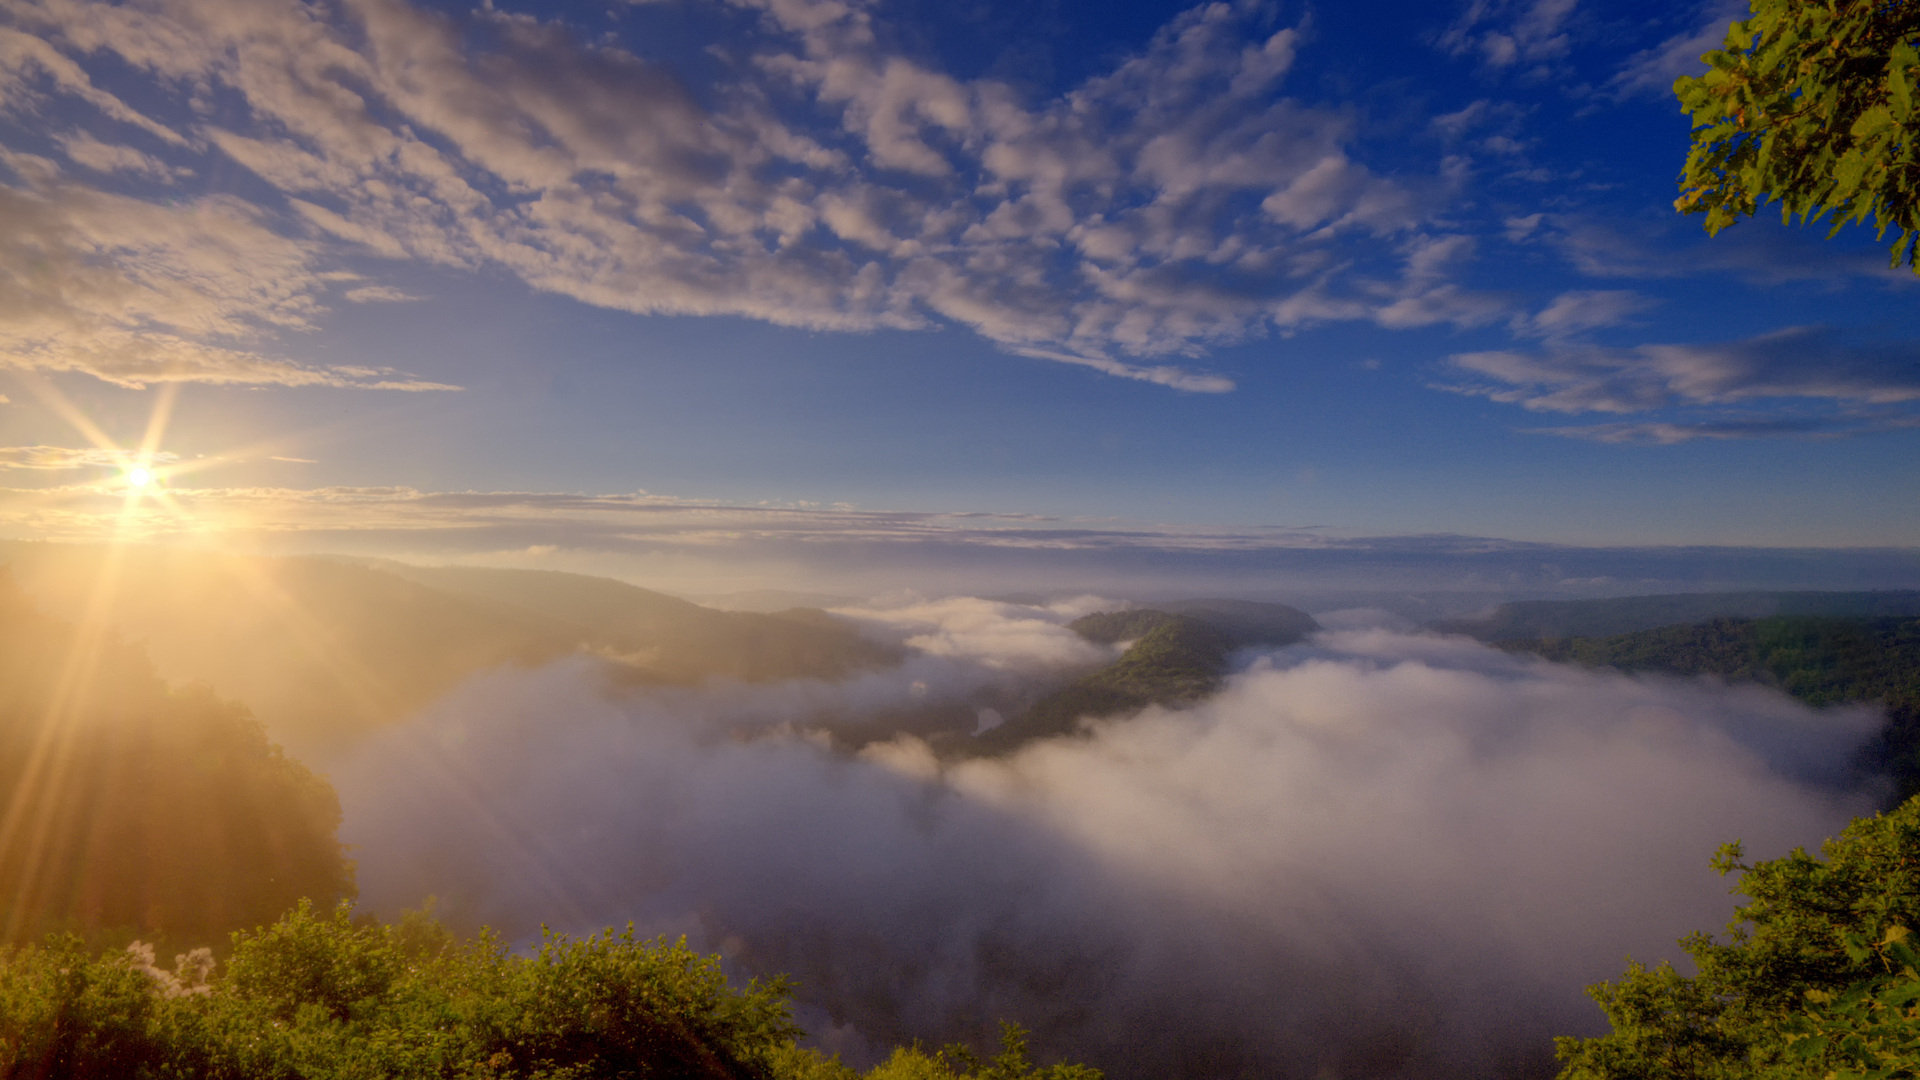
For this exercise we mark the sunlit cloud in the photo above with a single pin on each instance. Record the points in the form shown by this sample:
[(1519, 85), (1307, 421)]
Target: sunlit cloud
[(137, 293), (66, 457), (378, 294), (1106, 223)]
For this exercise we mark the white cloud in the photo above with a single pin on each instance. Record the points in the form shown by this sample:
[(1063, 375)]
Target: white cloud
[(84, 150), (1651, 72), (1850, 387), (1511, 33), (1110, 221), (1583, 309), (1660, 433), (135, 292), (378, 294)]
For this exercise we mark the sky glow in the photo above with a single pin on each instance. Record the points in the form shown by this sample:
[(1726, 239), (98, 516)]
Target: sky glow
[(805, 275)]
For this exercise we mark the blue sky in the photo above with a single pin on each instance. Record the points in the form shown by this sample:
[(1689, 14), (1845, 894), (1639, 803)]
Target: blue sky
[(797, 275)]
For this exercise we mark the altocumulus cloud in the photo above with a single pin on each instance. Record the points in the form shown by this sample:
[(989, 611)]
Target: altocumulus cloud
[(1177, 201), (1375, 855), (135, 292)]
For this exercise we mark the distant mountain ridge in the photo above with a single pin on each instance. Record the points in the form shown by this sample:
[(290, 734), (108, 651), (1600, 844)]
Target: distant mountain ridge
[(1626, 614), (324, 649)]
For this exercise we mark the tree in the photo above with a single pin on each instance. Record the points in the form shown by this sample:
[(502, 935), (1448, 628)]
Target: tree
[(1814, 978), (1810, 105)]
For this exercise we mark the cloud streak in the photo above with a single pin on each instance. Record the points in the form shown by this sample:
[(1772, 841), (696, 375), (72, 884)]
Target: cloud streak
[(58, 458), (705, 545), (1860, 387), (1378, 855)]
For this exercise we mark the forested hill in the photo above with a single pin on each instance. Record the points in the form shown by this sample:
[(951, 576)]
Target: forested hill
[(1626, 614), (1178, 656), (134, 807), (1820, 660)]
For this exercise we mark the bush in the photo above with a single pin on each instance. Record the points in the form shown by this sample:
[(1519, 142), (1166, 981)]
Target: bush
[(320, 995), (1814, 978)]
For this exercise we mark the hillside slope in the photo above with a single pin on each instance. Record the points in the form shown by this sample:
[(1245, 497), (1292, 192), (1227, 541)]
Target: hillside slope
[(134, 807), (1175, 659), (326, 649)]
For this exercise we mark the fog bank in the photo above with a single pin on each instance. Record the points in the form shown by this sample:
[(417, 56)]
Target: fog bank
[(1375, 855)]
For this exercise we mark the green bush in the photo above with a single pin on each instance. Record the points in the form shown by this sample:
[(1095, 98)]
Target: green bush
[(1813, 980), (320, 995)]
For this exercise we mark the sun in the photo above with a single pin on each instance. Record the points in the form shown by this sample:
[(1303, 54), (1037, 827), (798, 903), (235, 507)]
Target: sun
[(139, 477)]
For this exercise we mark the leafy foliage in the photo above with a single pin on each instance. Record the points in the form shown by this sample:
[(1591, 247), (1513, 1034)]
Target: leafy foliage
[(1810, 105), (1795, 989), (322, 996), (136, 807)]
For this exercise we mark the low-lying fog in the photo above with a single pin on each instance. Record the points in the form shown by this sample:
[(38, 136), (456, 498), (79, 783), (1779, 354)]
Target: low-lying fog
[(1378, 853)]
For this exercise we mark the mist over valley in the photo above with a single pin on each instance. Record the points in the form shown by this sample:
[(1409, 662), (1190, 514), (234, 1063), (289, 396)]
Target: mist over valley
[(1205, 838)]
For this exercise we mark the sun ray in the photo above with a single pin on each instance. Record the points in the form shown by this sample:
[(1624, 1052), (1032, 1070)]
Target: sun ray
[(39, 800)]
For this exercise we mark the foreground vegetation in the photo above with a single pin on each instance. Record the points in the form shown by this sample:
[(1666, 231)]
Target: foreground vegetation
[(1817, 977), (320, 995)]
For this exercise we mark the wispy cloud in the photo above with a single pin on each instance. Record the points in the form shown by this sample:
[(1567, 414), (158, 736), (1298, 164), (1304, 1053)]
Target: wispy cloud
[(701, 544), (1580, 310), (1176, 202), (84, 150), (378, 294), (1759, 252), (66, 457), (1651, 72), (1810, 364), (136, 292), (1511, 34)]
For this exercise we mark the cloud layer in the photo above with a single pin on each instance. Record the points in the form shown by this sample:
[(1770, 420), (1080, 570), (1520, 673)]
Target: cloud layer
[(1180, 200), (709, 546), (1378, 855)]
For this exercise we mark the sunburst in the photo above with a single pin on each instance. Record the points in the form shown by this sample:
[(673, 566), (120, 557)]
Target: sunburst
[(141, 481)]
